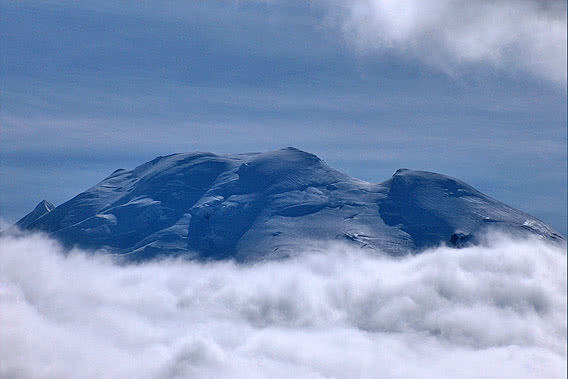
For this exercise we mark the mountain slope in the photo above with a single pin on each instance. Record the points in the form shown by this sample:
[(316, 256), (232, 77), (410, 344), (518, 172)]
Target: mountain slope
[(266, 205), (43, 208)]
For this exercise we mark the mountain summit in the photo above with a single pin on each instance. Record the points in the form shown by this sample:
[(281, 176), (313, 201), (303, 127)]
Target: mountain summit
[(269, 205), (43, 208)]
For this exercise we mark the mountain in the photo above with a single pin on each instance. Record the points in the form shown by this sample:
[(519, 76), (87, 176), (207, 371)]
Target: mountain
[(43, 208), (269, 205)]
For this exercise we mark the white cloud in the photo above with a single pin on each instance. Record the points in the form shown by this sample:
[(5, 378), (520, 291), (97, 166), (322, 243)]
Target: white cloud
[(511, 35), (5, 224), (494, 311)]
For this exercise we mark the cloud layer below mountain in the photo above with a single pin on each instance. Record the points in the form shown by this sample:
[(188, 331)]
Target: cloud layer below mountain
[(492, 311), (510, 35)]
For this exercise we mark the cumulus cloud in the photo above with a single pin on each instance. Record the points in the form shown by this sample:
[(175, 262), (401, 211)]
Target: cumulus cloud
[(493, 311), (511, 35)]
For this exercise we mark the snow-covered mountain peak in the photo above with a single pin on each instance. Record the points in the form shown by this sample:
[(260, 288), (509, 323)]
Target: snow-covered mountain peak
[(45, 205), (265, 205), (43, 208)]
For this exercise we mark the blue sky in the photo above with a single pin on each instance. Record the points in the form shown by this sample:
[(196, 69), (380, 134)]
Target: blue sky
[(475, 90)]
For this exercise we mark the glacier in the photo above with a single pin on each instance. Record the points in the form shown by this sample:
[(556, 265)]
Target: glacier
[(256, 206)]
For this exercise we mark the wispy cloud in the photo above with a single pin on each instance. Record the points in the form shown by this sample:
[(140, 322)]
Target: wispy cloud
[(511, 35), (496, 311)]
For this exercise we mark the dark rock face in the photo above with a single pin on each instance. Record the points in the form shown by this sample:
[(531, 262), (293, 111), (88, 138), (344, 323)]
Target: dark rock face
[(270, 205), (460, 240)]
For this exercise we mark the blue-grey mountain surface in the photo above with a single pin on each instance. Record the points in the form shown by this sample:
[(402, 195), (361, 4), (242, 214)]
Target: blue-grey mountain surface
[(267, 205)]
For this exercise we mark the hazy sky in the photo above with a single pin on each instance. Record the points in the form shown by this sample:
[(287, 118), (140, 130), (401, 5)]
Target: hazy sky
[(475, 90)]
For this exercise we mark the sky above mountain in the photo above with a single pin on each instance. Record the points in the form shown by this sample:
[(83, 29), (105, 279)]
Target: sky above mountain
[(475, 90)]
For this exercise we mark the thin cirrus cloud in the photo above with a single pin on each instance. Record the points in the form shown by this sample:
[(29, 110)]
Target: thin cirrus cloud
[(490, 311), (518, 36)]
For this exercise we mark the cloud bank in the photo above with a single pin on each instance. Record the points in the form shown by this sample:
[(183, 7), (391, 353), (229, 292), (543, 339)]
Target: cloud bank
[(511, 35), (496, 311)]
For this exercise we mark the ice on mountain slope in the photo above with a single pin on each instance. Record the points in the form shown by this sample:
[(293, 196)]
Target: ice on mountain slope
[(264, 205)]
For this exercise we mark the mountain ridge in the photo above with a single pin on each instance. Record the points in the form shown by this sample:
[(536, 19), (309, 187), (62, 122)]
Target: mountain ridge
[(43, 208), (266, 205)]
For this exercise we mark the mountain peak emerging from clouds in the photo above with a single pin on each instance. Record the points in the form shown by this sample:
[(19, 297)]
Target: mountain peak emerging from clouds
[(267, 205), (43, 208)]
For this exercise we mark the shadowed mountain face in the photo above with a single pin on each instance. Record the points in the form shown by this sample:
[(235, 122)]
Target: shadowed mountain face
[(268, 205), (43, 208)]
